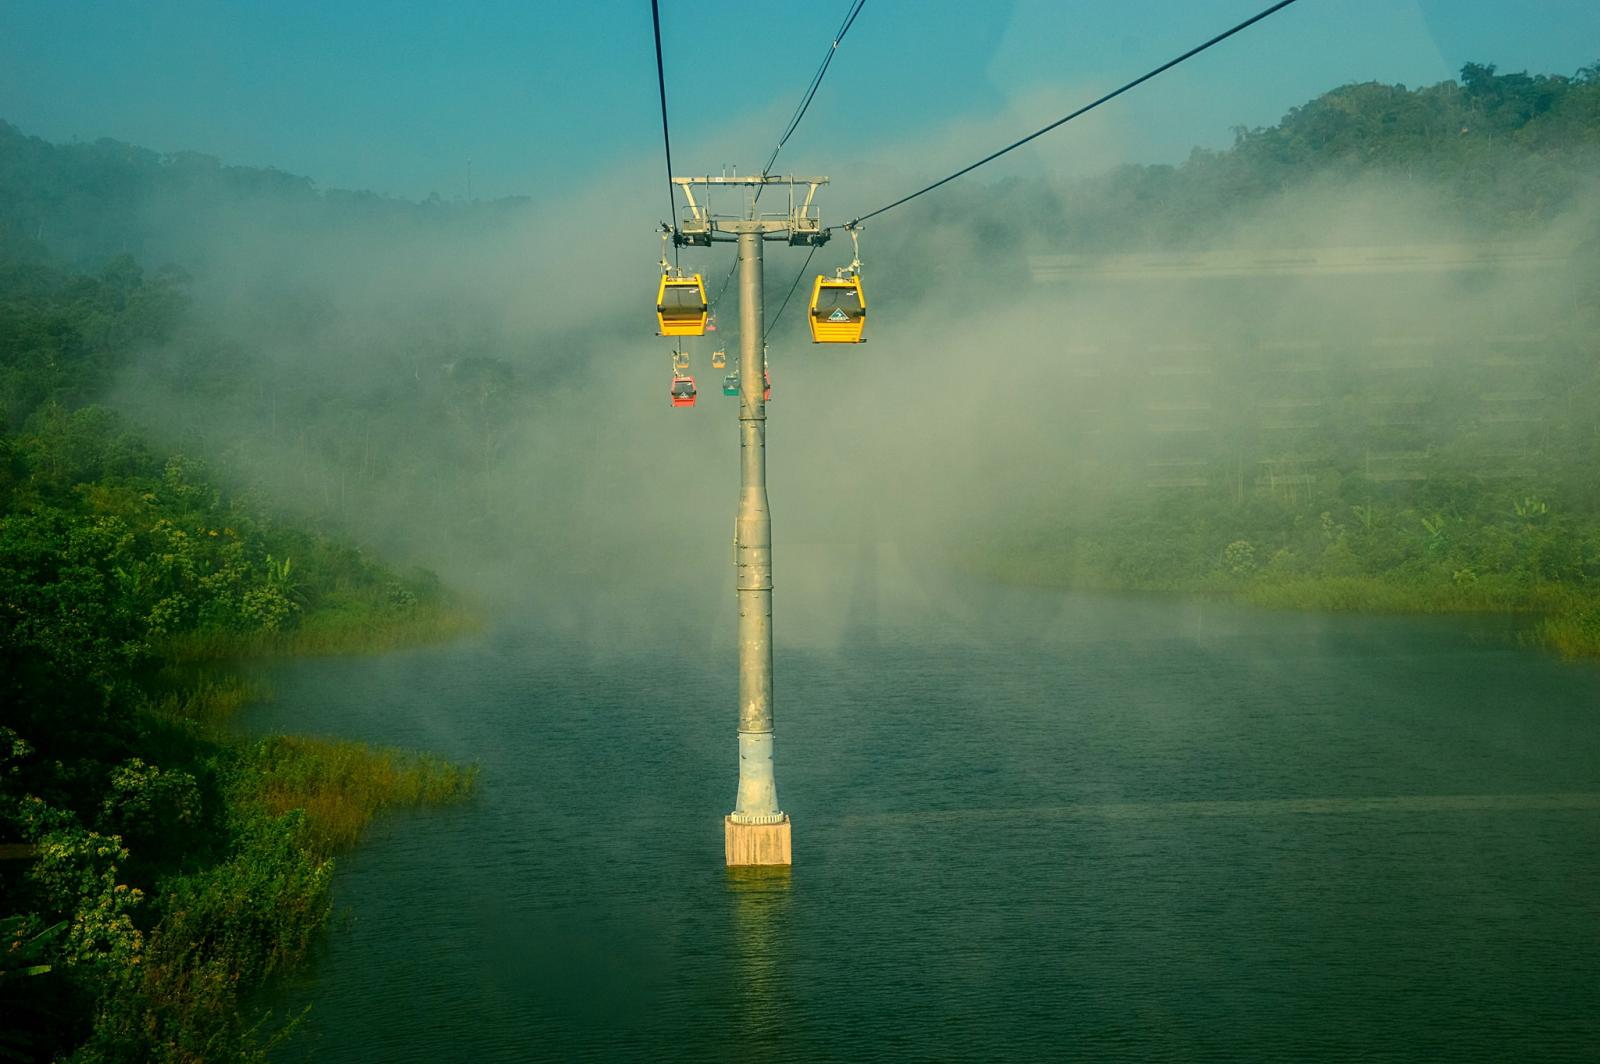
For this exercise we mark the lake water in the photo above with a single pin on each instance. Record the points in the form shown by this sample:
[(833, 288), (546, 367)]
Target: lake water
[(1026, 825)]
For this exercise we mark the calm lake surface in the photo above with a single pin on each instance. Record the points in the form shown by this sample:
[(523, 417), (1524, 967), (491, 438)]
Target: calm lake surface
[(1027, 825)]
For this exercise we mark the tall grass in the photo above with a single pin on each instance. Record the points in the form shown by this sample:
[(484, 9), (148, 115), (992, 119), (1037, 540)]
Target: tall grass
[(326, 632), (208, 699), (340, 786), (1573, 634)]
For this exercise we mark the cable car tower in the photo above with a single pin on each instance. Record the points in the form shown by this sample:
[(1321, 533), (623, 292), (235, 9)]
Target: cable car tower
[(757, 832)]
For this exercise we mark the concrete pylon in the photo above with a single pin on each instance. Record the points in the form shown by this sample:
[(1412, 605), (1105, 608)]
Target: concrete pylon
[(757, 832)]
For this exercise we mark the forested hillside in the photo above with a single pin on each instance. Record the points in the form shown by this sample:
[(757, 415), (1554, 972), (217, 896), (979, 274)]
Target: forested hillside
[(1410, 434), (1499, 152)]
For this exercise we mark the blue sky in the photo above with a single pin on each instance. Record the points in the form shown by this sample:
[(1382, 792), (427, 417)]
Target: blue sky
[(397, 96)]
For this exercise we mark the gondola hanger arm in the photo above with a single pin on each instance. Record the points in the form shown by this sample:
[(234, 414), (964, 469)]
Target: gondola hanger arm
[(854, 269), (666, 235)]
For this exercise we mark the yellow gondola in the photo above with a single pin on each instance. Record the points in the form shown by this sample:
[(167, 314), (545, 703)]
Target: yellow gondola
[(681, 306), (838, 310)]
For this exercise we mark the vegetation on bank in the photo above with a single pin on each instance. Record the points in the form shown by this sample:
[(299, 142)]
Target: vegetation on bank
[(156, 870), (1444, 549)]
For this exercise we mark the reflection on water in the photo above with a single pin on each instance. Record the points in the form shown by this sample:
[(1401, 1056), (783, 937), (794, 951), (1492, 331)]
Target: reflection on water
[(759, 898), (1415, 803), (1027, 826)]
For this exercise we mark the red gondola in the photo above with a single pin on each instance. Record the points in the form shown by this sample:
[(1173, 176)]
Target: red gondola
[(683, 391)]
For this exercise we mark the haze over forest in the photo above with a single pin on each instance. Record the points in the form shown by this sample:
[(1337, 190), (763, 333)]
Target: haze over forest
[(468, 386)]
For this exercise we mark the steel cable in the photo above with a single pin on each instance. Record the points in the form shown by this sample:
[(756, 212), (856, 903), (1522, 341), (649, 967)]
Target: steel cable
[(1168, 65), (666, 135), (797, 277), (811, 90), (794, 123)]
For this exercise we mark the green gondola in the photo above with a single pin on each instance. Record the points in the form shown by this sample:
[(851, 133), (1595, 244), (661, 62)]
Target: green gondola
[(730, 384)]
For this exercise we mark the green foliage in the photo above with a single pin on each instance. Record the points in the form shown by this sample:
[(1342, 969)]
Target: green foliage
[(77, 872), (156, 810), (1239, 558), (24, 947), (39, 1001), (1530, 509), (228, 926)]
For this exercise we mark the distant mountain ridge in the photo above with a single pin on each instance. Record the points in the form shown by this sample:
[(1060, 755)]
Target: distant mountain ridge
[(90, 201), (1502, 150)]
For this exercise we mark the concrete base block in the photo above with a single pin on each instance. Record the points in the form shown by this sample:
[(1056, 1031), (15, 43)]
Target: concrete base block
[(756, 844)]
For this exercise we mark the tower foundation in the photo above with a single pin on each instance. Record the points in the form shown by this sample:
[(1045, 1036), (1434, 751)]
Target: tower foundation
[(756, 844)]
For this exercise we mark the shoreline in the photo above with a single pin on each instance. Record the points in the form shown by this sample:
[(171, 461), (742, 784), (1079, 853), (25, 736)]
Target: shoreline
[(1561, 620)]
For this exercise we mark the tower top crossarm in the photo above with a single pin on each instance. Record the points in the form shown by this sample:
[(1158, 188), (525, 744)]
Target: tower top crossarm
[(751, 180), (799, 223)]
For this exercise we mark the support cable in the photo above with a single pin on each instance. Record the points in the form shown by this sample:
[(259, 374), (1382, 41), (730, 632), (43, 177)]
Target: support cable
[(811, 90), (773, 324), (723, 287), (794, 123), (666, 136), (1168, 65)]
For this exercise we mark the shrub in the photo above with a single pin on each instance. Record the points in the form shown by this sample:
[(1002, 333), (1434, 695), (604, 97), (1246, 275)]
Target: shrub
[(1239, 558)]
